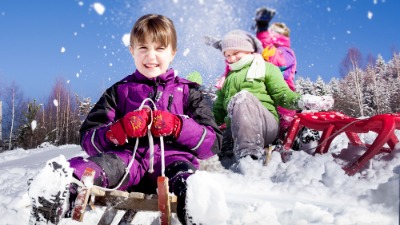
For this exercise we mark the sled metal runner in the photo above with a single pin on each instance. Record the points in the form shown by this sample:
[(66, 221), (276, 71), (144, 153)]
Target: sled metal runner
[(334, 123), (131, 202)]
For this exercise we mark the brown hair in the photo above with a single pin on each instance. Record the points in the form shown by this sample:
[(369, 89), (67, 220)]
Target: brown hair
[(158, 28)]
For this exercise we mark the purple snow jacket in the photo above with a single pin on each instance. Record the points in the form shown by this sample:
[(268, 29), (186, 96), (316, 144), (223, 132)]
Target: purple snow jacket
[(199, 138)]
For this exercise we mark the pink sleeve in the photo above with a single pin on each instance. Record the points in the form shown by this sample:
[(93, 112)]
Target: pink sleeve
[(221, 80), (265, 38)]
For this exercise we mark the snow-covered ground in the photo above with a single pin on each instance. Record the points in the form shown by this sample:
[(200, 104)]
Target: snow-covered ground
[(305, 190)]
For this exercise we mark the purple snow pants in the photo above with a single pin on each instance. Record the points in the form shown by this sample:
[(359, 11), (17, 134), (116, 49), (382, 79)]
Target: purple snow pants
[(110, 169)]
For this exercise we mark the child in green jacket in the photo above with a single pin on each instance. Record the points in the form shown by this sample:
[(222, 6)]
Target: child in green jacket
[(248, 99)]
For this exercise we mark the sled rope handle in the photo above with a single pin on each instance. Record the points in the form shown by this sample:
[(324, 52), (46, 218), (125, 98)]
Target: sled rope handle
[(151, 145), (151, 142)]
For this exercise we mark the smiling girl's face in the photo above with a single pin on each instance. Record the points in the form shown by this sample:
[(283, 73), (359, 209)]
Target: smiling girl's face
[(152, 58)]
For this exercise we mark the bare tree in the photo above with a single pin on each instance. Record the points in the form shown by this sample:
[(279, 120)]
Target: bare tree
[(350, 64), (61, 115), (14, 103)]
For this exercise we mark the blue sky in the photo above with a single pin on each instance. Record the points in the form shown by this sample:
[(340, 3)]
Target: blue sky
[(43, 40)]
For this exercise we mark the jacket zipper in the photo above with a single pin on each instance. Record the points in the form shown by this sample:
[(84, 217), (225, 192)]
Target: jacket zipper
[(170, 99)]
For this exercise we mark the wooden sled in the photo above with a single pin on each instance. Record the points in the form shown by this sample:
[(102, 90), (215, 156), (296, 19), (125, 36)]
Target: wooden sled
[(131, 202), (334, 123)]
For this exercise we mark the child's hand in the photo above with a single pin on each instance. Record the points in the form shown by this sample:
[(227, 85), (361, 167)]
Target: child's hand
[(165, 124), (222, 126), (133, 124)]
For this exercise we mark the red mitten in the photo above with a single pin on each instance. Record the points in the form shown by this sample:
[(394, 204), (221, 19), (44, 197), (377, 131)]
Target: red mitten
[(116, 134), (135, 123), (166, 124)]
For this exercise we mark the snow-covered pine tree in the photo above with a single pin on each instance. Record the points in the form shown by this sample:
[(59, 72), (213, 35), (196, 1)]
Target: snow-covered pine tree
[(333, 86), (30, 135), (320, 88), (84, 106), (381, 89), (304, 86), (393, 69)]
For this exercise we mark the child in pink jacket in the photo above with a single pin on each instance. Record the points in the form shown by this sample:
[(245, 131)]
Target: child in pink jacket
[(276, 43), (275, 39)]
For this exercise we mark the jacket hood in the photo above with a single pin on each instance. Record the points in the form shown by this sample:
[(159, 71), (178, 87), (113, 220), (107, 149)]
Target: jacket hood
[(271, 37)]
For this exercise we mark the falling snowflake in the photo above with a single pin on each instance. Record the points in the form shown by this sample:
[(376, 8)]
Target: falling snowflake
[(33, 125), (186, 52), (126, 39), (99, 8), (370, 14)]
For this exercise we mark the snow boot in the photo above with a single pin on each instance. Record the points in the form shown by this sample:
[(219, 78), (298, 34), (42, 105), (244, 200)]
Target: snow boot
[(50, 192), (262, 19), (226, 156), (305, 137), (181, 212)]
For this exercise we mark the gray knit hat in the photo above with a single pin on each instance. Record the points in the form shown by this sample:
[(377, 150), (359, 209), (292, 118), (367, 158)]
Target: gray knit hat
[(236, 39)]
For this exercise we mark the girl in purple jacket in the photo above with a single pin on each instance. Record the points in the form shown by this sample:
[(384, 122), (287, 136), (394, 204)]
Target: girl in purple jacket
[(121, 134)]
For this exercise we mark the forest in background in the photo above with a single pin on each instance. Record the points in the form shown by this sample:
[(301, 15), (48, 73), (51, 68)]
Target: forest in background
[(362, 90)]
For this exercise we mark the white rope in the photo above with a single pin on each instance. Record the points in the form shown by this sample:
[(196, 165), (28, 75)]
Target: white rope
[(149, 135), (151, 149), (162, 156), (151, 142)]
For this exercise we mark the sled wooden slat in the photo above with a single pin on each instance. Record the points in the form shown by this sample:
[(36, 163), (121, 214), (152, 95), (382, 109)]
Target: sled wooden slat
[(149, 203), (131, 202)]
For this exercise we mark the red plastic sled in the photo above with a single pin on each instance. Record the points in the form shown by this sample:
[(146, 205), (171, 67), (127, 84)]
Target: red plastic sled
[(334, 123)]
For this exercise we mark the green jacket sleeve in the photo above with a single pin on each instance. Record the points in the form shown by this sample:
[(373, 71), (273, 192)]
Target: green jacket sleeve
[(280, 92), (218, 108)]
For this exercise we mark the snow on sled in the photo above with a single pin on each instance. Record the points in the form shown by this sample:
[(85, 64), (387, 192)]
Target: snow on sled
[(131, 202), (334, 123)]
